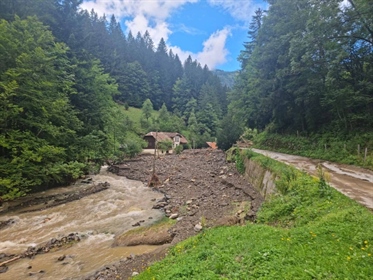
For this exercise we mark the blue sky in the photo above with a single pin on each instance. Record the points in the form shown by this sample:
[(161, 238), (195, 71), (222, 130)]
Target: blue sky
[(211, 31)]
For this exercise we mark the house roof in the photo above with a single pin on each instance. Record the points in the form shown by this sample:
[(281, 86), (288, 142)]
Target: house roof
[(162, 136), (212, 145)]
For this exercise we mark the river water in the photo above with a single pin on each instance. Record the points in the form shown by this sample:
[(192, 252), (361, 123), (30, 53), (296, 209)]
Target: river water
[(98, 217)]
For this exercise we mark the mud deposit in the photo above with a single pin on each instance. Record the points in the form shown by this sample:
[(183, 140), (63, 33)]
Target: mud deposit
[(197, 185)]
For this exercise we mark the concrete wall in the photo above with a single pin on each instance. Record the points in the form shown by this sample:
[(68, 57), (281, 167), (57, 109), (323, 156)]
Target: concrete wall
[(262, 179)]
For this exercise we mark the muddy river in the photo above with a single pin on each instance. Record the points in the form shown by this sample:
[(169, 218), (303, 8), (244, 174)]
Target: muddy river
[(97, 218), (354, 182)]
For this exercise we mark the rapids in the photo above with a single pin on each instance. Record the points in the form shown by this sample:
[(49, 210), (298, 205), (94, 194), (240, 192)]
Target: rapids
[(97, 218)]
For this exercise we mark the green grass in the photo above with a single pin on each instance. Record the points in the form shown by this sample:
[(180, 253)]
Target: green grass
[(135, 115), (308, 230), (328, 146)]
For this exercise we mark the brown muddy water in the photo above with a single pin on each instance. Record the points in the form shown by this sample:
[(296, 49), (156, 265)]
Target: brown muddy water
[(97, 218), (352, 181)]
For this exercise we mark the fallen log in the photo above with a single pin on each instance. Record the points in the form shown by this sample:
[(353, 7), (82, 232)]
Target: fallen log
[(10, 260)]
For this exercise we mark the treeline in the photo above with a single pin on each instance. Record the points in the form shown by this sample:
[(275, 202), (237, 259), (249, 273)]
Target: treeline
[(65, 75), (307, 69)]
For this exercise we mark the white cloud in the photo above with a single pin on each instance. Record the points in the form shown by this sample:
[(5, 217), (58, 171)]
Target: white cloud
[(152, 15), (239, 9), (158, 9), (142, 15), (140, 24), (214, 52)]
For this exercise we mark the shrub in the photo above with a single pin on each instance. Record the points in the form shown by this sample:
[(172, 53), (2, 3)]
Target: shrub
[(165, 145), (132, 147), (179, 149)]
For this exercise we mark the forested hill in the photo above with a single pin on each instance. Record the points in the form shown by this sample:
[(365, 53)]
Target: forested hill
[(66, 77), (226, 77)]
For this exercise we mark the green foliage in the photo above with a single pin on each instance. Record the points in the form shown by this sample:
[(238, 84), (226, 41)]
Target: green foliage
[(135, 117), (58, 86), (147, 108), (132, 146), (38, 122), (165, 145), (327, 146), (307, 69), (179, 149), (240, 164), (230, 132)]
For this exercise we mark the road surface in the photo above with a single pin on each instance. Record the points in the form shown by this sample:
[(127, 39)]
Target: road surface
[(352, 181)]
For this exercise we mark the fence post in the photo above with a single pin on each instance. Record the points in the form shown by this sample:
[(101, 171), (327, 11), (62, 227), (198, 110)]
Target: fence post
[(365, 153), (358, 149)]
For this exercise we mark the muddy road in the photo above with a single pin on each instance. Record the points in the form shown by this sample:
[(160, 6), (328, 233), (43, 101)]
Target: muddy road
[(352, 181)]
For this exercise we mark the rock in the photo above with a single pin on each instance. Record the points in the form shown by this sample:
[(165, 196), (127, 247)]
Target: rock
[(189, 202), (61, 258), (135, 273), (250, 215), (87, 181), (198, 227), (3, 269), (136, 224), (174, 216)]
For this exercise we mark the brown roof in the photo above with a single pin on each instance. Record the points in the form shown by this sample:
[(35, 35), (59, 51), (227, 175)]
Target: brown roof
[(161, 136), (212, 145)]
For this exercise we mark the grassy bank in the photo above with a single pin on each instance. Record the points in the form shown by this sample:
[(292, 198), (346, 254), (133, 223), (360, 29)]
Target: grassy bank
[(349, 149), (306, 231)]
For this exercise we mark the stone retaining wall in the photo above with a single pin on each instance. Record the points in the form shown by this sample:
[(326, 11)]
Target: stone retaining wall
[(262, 179)]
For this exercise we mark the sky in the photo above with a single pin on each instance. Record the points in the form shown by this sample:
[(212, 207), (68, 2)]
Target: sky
[(211, 31)]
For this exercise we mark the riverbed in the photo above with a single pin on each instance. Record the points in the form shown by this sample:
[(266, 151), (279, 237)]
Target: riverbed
[(96, 218)]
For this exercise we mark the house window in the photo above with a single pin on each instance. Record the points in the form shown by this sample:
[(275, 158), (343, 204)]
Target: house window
[(177, 139)]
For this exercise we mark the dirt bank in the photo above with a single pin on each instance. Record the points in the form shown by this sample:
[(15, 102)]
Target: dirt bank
[(200, 190)]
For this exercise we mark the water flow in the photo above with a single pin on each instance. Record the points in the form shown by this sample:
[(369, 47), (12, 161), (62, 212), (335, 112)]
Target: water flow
[(99, 217)]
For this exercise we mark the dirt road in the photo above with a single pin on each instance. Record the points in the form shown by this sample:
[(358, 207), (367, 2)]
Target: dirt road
[(354, 182)]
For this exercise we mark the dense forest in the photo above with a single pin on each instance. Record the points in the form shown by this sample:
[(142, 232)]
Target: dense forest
[(66, 78), (307, 68)]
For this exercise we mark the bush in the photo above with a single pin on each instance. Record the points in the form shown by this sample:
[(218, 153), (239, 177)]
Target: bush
[(165, 145), (132, 147), (179, 149)]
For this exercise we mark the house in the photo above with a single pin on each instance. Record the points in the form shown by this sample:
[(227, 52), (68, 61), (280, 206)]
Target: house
[(176, 138)]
